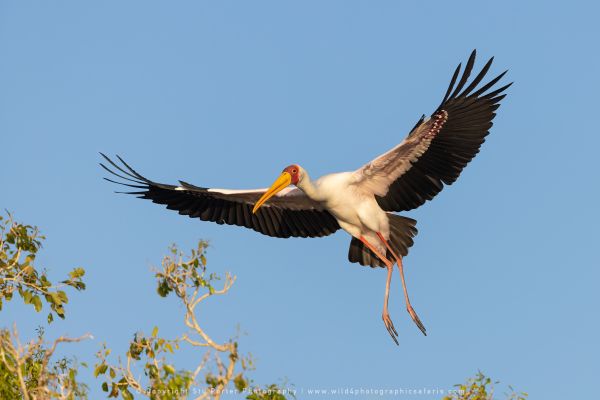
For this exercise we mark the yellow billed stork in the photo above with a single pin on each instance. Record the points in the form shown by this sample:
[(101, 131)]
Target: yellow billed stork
[(360, 202)]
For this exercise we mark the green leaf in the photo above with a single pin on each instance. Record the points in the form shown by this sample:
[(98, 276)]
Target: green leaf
[(155, 331), (50, 318), (63, 296), (104, 386), (56, 298), (100, 370), (37, 303), (169, 369), (114, 391), (27, 296), (126, 394), (163, 288), (240, 383), (60, 311), (77, 273)]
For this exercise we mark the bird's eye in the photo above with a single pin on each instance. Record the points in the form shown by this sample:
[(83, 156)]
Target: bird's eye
[(294, 170)]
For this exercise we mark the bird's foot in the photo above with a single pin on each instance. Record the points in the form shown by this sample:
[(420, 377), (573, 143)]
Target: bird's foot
[(389, 325), (416, 319)]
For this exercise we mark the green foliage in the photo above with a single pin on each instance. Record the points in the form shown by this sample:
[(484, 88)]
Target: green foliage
[(165, 382), (9, 382), (19, 246), (222, 367), (27, 371), (179, 273), (481, 387)]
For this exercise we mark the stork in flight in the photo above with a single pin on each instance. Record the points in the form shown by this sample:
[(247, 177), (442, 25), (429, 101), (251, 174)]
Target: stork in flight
[(360, 202)]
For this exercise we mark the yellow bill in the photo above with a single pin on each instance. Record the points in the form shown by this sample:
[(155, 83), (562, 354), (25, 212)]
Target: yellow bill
[(284, 180)]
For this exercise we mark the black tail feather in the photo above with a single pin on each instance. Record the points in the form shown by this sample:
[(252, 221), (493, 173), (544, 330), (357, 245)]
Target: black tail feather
[(402, 231)]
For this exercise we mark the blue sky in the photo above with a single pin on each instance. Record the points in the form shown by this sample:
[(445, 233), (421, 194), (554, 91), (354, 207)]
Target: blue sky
[(504, 272)]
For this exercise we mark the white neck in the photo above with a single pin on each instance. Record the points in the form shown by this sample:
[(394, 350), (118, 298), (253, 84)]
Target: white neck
[(307, 187)]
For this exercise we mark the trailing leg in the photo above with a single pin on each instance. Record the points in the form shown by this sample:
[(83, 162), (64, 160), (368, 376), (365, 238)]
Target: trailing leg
[(409, 307), (389, 325)]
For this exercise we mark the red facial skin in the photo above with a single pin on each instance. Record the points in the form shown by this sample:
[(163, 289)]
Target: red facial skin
[(294, 171)]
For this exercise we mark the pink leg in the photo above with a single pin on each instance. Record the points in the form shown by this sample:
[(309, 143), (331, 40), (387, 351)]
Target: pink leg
[(409, 307), (389, 325)]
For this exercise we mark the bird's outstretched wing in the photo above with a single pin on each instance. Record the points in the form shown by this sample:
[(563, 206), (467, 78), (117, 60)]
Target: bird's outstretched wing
[(438, 148), (289, 213)]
